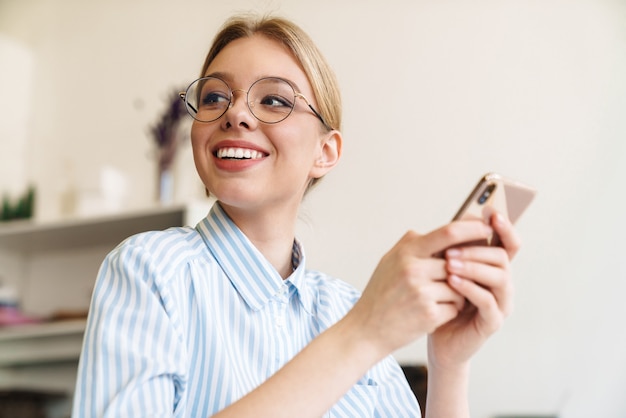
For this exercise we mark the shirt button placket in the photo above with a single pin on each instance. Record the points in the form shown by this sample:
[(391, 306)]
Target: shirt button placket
[(280, 323), (280, 315)]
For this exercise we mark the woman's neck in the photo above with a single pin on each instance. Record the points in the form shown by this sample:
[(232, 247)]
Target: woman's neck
[(271, 231)]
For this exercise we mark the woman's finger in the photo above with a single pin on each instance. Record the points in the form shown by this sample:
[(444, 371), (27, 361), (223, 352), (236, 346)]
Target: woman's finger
[(494, 282), (493, 256), (489, 315), (507, 235), (453, 234), (488, 267)]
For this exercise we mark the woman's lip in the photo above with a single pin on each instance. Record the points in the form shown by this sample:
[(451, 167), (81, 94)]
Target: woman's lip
[(235, 164), (238, 144)]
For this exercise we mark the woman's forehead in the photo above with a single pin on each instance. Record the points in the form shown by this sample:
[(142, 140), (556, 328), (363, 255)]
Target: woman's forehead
[(246, 60)]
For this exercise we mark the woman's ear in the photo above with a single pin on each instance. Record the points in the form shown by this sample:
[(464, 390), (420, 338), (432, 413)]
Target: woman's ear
[(330, 153)]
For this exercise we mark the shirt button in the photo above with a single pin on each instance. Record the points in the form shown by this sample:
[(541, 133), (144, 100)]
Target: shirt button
[(281, 293), (280, 321)]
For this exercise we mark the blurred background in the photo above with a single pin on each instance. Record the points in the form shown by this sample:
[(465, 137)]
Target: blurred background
[(436, 93)]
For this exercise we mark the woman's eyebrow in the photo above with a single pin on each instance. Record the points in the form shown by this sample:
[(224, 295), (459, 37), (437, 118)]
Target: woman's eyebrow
[(293, 84), (228, 77), (220, 75)]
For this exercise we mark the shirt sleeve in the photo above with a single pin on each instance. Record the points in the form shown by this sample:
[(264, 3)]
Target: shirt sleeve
[(396, 399), (131, 363)]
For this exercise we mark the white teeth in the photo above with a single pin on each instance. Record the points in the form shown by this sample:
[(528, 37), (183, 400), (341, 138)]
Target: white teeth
[(239, 153)]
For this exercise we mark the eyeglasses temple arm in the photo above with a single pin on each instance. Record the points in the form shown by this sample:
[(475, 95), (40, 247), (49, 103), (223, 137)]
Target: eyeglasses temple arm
[(183, 96), (319, 117)]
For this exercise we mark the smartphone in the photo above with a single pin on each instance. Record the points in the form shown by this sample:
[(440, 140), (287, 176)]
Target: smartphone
[(496, 193)]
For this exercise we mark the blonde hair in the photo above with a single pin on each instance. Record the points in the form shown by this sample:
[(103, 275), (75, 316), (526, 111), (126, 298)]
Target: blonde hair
[(318, 72)]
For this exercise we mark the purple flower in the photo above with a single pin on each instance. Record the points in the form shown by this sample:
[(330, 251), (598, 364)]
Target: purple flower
[(164, 132)]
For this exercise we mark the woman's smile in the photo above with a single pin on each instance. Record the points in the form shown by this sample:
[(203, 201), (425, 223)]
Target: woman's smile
[(233, 155)]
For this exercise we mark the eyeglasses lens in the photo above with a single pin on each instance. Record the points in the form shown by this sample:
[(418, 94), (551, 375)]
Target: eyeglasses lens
[(271, 99)]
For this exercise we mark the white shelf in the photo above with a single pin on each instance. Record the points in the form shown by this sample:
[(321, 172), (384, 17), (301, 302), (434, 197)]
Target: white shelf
[(56, 263), (41, 343), (36, 330), (31, 236)]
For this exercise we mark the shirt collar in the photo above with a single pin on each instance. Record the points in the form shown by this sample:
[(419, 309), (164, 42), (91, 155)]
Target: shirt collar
[(298, 278), (252, 275)]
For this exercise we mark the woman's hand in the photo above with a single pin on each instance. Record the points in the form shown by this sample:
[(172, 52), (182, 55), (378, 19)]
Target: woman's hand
[(482, 275), (409, 295)]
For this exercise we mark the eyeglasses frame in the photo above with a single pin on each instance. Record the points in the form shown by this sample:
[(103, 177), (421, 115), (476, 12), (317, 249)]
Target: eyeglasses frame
[(183, 97)]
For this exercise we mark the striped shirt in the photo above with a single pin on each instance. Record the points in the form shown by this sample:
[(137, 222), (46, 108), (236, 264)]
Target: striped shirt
[(186, 321)]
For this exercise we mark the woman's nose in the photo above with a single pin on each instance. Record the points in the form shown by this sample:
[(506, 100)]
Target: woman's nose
[(238, 112), (243, 95)]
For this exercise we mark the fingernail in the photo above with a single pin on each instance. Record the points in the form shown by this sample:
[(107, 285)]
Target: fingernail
[(453, 252), (455, 263), (455, 280)]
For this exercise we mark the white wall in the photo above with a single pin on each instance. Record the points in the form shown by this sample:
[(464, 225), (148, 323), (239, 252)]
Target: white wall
[(533, 89), (15, 77)]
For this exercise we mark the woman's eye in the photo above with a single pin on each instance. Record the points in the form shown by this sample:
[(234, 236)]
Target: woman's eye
[(276, 101), (214, 99)]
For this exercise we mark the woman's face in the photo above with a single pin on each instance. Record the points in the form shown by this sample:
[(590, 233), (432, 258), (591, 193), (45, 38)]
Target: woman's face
[(283, 157)]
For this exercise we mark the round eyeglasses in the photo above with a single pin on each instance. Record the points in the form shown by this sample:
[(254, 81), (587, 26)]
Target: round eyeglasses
[(270, 99)]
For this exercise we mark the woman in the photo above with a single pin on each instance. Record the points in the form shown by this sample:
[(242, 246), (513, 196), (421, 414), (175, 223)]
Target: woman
[(224, 320)]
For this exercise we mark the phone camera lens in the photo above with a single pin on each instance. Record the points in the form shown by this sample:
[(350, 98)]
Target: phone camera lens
[(485, 195)]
